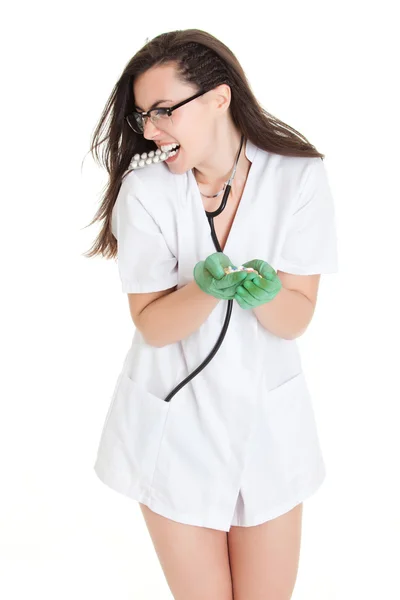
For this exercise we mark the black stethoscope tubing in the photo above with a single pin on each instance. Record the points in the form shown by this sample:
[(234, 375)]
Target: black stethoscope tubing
[(210, 217)]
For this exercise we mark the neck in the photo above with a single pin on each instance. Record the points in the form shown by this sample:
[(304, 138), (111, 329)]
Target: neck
[(213, 172)]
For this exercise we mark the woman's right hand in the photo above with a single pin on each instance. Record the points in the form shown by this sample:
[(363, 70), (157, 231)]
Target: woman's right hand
[(211, 278)]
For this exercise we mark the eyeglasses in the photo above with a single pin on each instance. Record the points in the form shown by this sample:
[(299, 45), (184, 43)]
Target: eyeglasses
[(136, 120)]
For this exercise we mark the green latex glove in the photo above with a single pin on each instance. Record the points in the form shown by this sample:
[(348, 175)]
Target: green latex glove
[(210, 277), (256, 290)]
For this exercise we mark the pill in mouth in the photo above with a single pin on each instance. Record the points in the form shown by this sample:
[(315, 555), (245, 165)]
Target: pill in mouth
[(153, 157)]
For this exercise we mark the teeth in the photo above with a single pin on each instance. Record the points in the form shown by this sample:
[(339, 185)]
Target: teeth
[(169, 147)]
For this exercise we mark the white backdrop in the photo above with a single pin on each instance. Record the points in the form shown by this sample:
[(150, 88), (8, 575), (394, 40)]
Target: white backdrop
[(327, 69)]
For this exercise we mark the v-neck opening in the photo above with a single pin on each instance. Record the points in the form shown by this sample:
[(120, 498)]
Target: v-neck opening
[(251, 152)]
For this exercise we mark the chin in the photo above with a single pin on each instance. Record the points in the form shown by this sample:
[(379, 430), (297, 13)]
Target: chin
[(177, 169), (174, 169)]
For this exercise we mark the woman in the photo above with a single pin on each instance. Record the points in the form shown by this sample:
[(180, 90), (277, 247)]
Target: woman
[(221, 469)]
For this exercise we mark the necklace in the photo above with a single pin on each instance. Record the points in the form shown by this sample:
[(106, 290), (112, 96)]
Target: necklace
[(214, 195)]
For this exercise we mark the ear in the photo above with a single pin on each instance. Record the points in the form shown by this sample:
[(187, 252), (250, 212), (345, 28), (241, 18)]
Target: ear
[(222, 97)]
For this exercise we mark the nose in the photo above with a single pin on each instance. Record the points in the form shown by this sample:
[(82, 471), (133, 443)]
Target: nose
[(149, 128)]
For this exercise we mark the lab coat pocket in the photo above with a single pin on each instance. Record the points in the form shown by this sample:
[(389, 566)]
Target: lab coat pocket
[(137, 422), (292, 429)]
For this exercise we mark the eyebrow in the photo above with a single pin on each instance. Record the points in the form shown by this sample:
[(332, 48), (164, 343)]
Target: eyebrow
[(153, 105)]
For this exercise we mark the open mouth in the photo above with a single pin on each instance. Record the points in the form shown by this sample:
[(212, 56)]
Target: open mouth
[(172, 154), (169, 147)]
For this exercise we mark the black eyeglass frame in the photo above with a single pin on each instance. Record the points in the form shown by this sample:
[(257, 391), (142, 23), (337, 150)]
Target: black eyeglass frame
[(168, 110)]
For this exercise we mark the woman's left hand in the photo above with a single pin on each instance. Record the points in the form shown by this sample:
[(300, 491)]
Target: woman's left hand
[(255, 290)]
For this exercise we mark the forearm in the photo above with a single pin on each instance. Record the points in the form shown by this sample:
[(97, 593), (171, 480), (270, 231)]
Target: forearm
[(175, 316), (287, 315)]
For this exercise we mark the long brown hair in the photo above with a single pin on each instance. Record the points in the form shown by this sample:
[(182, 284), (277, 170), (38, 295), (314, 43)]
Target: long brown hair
[(202, 60)]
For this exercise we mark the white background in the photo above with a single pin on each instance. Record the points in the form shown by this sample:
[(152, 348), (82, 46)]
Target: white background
[(327, 69)]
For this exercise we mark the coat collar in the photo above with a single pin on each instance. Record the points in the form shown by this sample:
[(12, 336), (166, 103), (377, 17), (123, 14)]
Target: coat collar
[(251, 150)]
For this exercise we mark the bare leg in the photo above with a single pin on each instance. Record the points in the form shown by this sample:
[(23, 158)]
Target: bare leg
[(195, 560), (264, 559)]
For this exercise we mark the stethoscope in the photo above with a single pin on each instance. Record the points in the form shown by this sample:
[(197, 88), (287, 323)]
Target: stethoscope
[(210, 217)]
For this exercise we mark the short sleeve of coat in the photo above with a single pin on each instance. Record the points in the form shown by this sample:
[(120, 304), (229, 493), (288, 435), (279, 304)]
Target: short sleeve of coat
[(310, 243), (145, 262)]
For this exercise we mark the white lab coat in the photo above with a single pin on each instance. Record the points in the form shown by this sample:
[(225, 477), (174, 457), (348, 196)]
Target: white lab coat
[(238, 444)]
